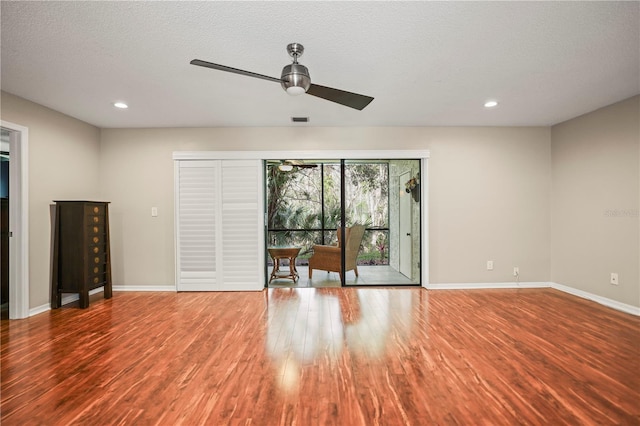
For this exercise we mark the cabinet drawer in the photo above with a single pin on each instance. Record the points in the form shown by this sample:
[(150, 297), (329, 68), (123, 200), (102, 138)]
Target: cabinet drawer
[(94, 220), (95, 230), (96, 240), (96, 269), (97, 281), (96, 260), (96, 249), (94, 209)]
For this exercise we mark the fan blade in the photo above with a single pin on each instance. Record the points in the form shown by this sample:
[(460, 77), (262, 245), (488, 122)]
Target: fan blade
[(206, 64), (352, 100)]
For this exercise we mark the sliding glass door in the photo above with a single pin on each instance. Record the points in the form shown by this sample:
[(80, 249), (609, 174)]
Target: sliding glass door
[(315, 205)]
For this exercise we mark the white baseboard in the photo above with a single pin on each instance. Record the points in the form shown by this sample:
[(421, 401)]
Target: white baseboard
[(630, 309), (65, 300), (39, 309), (173, 288), (144, 288), (610, 303), (73, 297), (472, 286)]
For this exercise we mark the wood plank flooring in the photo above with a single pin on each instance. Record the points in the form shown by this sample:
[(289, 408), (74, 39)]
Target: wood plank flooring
[(326, 356)]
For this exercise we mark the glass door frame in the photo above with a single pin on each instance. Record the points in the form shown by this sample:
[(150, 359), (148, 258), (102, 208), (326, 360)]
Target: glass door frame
[(421, 155)]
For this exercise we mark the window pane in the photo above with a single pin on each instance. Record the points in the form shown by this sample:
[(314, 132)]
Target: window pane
[(367, 194), (331, 196), (293, 198)]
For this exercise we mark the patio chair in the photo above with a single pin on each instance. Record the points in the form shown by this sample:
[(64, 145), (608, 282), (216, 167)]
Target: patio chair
[(327, 258)]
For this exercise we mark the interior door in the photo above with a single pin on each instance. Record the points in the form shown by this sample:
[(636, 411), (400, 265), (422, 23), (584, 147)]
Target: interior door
[(197, 218), (405, 239)]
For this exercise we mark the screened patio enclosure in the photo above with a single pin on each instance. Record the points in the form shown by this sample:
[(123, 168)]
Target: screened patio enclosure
[(314, 202)]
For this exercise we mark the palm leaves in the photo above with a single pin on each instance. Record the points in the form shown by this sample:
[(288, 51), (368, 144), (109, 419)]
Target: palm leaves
[(300, 203)]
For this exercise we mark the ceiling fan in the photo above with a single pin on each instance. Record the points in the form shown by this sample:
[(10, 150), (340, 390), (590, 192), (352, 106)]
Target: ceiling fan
[(288, 165), (295, 80)]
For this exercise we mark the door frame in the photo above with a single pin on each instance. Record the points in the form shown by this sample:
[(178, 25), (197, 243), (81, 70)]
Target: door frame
[(18, 220), (422, 155)]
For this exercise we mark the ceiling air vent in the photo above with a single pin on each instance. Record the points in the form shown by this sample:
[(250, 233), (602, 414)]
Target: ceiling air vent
[(300, 119)]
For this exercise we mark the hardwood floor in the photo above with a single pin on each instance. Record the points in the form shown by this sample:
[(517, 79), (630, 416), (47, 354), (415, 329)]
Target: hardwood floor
[(325, 356)]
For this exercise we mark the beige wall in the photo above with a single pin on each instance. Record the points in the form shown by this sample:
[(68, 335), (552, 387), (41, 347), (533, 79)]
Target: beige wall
[(490, 201), (489, 193), (63, 164), (560, 203), (595, 202)]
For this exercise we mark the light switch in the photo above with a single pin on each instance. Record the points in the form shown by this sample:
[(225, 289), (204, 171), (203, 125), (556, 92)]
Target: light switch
[(154, 211)]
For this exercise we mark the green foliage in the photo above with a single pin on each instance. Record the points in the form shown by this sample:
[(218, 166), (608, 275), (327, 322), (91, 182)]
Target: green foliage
[(294, 201)]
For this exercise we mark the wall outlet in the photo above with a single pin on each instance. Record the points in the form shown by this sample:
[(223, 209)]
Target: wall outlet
[(614, 278), (489, 265), (516, 271)]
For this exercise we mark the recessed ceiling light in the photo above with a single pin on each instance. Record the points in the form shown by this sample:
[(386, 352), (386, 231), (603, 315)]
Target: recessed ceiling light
[(120, 105), (490, 104)]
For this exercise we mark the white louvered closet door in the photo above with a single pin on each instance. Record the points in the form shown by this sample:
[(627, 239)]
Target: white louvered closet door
[(197, 201), (242, 229), (220, 234)]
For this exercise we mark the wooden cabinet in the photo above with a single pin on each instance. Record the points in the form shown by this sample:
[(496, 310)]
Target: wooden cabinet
[(81, 255)]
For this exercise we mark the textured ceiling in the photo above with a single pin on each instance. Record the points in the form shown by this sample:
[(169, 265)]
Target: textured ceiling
[(425, 63)]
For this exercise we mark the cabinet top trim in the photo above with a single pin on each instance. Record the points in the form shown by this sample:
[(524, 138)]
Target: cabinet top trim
[(81, 201)]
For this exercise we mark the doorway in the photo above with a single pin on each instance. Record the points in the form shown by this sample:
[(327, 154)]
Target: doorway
[(4, 223), (17, 239)]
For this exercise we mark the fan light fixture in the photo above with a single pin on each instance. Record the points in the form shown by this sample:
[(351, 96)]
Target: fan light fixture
[(490, 104), (121, 105), (285, 167), (295, 77), (295, 90)]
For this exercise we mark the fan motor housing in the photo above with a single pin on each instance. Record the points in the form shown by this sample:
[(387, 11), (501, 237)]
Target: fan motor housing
[(295, 75)]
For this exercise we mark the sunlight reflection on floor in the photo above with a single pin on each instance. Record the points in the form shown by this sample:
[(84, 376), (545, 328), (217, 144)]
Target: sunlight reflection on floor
[(306, 325)]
